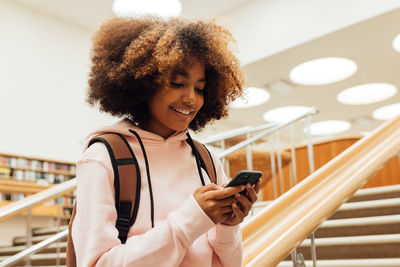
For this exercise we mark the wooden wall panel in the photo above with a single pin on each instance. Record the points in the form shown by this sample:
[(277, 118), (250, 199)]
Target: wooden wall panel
[(324, 152)]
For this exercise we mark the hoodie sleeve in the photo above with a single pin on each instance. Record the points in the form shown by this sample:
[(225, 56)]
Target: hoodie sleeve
[(226, 240), (96, 238)]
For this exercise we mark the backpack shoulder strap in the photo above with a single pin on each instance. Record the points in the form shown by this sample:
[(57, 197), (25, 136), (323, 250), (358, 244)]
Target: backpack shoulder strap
[(127, 180), (206, 160)]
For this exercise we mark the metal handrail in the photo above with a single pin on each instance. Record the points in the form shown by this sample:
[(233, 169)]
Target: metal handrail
[(237, 132), (33, 249), (27, 204), (312, 111), (250, 129), (37, 199)]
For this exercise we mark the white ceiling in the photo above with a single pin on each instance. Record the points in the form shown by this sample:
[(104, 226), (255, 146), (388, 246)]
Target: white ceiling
[(368, 43), (89, 14)]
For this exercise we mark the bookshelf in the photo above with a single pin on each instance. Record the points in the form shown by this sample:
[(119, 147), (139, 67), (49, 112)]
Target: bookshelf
[(21, 176)]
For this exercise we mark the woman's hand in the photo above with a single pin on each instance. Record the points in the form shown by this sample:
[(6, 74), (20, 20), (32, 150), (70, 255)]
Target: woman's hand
[(217, 202), (244, 203)]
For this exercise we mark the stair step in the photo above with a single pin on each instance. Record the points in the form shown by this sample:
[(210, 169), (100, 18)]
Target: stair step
[(48, 230), (374, 193), (42, 259), (395, 262), (354, 247), (365, 231), (377, 225), (354, 240), (368, 208), (8, 251), (21, 240)]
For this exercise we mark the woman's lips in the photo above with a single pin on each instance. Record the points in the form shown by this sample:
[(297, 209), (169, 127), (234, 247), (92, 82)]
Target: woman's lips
[(183, 113)]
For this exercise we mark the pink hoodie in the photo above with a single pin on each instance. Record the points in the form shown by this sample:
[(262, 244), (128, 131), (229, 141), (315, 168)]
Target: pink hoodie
[(183, 235)]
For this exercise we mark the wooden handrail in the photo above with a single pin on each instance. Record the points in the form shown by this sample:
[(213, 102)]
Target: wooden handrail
[(37, 199), (280, 227)]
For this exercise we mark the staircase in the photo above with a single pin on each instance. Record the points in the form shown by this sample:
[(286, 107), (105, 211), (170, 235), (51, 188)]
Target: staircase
[(47, 257), (365, 231)]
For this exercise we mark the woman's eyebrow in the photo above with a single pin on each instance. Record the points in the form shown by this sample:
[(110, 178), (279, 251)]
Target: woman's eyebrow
[(186, 75)]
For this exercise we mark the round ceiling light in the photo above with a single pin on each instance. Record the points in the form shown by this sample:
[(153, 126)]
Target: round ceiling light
[(134, 8), (285, 114), (253, 97), (366, 93), (387, 112), (328, 127), (396, 43), (323, 71)]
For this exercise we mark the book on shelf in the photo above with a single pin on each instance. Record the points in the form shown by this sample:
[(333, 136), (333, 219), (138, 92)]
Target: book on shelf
[(12, 162), (17, 196), (67, 201), (36, 165), (40, 171), (5, 172), (3, 160), (67, 212), (11, 196), (22, 169)]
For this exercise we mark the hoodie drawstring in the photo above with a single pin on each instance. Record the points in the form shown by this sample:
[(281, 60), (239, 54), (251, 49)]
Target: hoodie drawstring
[(189, 140), (148, 175)]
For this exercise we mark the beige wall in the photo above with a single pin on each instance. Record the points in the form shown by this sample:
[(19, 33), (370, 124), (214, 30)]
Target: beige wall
[(43, 78)]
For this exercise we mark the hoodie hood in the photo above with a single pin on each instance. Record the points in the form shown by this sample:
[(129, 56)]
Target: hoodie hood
[(125, 127)]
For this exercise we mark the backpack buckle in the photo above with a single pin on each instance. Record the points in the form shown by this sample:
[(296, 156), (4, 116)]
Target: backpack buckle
[(123, 225)]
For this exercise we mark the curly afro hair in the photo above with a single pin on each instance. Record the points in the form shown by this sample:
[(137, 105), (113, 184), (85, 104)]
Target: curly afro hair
[(132, 58)]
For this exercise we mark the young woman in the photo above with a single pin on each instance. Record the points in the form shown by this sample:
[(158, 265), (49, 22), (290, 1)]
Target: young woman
[(162, 77)]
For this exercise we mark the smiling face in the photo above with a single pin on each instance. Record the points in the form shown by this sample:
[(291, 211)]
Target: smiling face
[(174, 107)]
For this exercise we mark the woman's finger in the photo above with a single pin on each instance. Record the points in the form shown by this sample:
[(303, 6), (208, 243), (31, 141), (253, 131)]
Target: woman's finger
[(258, 185), (238, 212), (226, 192), (251, 193), (244, 202), (225, 202), (225, 210)]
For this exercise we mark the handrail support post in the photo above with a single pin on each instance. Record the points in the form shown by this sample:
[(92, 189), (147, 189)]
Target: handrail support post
[(312, 169), (28, 234), (294, 257), (273, 170), (249, 155)]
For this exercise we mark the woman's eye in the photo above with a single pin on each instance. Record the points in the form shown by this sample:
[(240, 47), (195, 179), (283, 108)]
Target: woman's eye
[(176, 85), (200, 90)]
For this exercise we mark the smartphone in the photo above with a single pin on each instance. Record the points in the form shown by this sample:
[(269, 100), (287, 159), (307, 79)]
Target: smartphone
[(244, 177)]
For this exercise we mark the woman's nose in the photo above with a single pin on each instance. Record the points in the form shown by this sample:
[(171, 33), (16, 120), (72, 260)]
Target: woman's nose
[(189, 95)]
